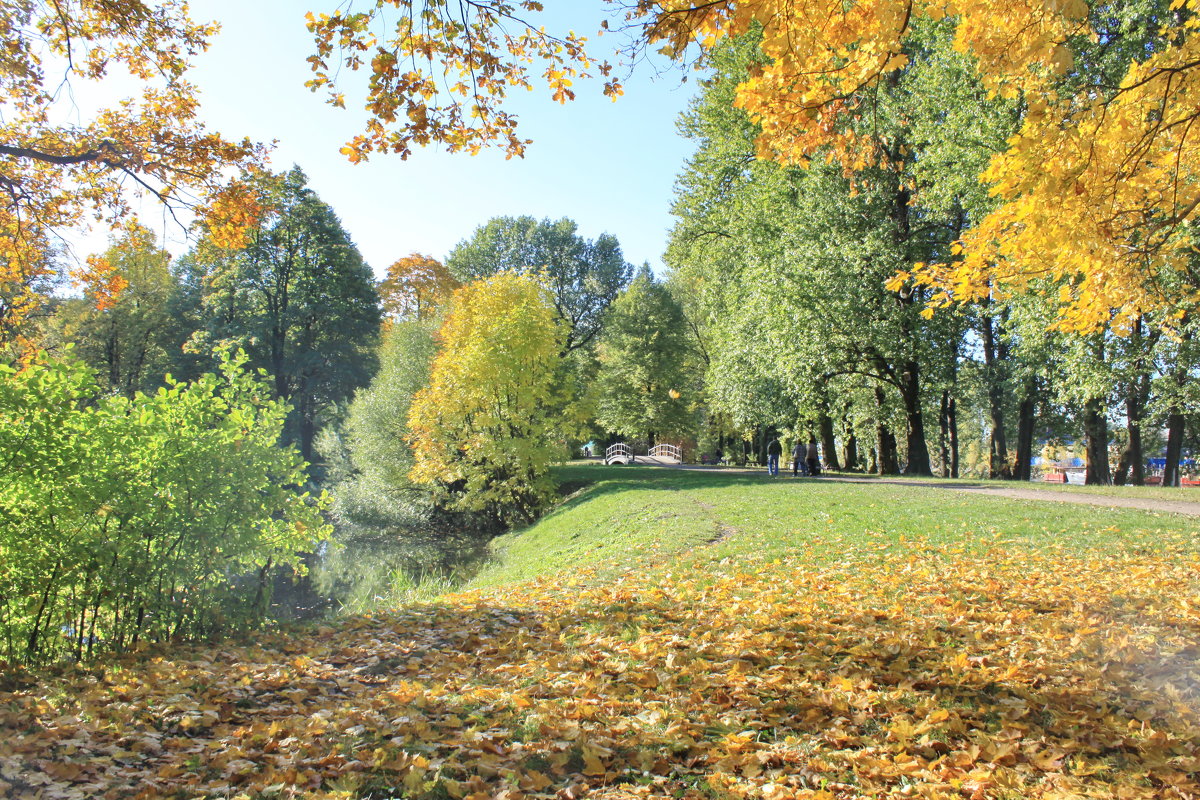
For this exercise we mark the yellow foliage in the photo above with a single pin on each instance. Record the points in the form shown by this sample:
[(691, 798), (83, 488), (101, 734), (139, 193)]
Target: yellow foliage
[(917, 672), (441, 75), (1100, 193), (490, 421), (54, 175)]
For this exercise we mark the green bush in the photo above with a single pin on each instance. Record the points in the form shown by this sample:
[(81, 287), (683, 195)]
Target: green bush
[(145, 519)]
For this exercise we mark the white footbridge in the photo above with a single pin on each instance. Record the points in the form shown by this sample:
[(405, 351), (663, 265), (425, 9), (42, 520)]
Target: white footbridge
[(660, 454)]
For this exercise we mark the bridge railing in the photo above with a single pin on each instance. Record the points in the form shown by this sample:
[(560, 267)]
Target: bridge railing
[(618, 452), (667, 451)]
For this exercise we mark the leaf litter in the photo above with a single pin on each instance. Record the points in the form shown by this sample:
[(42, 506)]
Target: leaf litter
[(927, 673)]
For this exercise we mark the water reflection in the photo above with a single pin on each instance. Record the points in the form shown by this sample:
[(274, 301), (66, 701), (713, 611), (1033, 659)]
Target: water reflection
[(366, 571)]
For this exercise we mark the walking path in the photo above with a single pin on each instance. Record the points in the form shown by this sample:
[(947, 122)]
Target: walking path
[(1190, 508), (1186, 507)]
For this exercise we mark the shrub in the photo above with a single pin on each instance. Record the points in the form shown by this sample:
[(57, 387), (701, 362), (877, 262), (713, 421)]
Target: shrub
[(145, 519)]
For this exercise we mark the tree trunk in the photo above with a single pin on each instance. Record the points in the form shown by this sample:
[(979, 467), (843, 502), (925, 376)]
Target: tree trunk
[(887, 462), (993, 374), (308, 427), (112, 357), (1022, 466), (278, 347), (828, 443), (1137, 397), (1095, 431), (953, 412), (1172, 475), (851, 447), (918, 450), (944, 433), (1132, 466)]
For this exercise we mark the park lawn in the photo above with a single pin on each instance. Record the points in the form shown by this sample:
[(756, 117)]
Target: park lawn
[(1189, 494), (628, 517), (697, 635)]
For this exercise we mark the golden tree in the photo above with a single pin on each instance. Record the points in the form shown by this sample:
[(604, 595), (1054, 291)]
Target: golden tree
[(416, 285), (491, 420)]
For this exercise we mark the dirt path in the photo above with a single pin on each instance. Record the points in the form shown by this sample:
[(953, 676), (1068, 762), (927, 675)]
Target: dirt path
[(1186, 507), (1190, 508)]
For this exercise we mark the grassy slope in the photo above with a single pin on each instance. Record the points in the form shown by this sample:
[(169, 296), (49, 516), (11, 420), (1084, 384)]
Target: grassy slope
[(630, 517), (1188, 494)]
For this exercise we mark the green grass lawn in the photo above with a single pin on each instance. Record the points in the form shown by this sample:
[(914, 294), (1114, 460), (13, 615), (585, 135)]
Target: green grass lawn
[(1190, 493), (631, 517)]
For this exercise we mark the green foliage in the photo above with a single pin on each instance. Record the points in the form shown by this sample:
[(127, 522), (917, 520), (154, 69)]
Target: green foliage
[(299, 299), (583, 276), (145, 518), (492, 419), (790, 266), (368, 456), (647, 382)]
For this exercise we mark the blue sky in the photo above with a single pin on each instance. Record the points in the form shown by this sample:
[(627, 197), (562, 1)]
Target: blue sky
[(609, 166)]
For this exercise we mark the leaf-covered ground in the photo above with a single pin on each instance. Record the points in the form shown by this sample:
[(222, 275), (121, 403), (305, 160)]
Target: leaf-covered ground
[(849, 662)]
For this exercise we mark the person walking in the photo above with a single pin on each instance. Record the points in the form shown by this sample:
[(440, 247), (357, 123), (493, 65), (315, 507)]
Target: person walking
[(799, 452), (812, 456), (774, 451)]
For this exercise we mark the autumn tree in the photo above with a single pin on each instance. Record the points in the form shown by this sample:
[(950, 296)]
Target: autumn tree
[(299, 298), (795, 262), (584, 276), (129, 333), (486, 428), (415, 286), (55, 173)]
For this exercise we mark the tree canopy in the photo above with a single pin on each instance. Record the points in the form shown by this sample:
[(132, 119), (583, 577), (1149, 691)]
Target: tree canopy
[(298, 297), (1098, 188), (584, 276), (645, 384), (485, 429)]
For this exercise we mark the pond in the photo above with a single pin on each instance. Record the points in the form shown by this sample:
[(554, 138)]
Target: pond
[(369, 571)]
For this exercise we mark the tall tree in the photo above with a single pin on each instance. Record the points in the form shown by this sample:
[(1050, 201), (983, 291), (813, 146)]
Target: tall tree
[(803, 257), (584, 276), (647, 380), (300, 299), (373, 491)]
